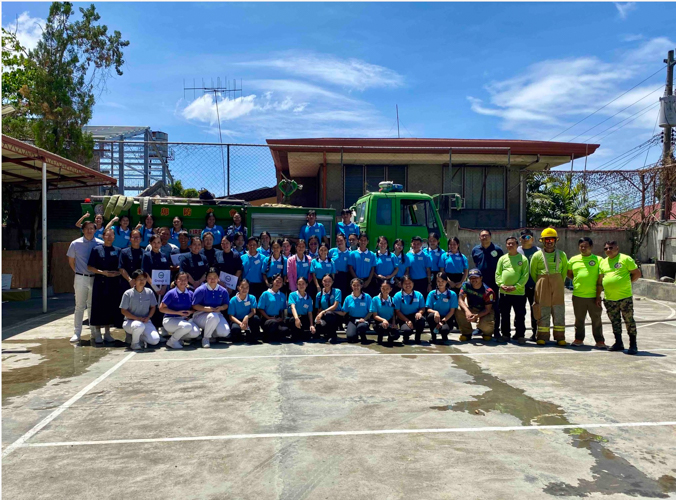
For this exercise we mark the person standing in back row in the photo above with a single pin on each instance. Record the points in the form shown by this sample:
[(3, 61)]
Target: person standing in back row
[(511, 277), (485, 257), (313, 228), (549, 267), (583, 269), (346, 227), (616, 274), (528, 249)]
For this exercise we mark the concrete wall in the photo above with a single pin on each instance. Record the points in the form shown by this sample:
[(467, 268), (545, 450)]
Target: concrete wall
[(652, 247), (568, 239)]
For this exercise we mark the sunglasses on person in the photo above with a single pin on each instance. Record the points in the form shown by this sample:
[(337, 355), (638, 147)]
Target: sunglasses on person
[(527, 237), (608, 248)]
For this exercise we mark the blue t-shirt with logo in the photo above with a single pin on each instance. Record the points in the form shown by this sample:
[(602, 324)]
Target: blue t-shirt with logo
[(340, 259), (383, 308), (442, 302), (303, 304), (326, 300), (307, 231), (218, 233), (322, 268), (241, 308), (362, 263), (408, 304), (418, 263), (453, 263), (385, 263), (272, 303), (252, 267), (357, 307)]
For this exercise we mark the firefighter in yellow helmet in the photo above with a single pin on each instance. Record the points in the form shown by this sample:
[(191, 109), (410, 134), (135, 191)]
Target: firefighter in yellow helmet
[(548, 268)]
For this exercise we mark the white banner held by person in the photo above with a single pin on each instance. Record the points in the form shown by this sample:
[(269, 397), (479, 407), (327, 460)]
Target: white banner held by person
[(175, 259), (161, 277), (230, 280)]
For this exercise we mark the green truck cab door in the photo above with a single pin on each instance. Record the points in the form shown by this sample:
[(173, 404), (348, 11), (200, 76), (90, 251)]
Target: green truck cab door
[(418, 217)]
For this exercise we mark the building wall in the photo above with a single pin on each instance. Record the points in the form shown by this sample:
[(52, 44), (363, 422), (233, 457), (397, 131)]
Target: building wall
[(425, 178), (334, 189)]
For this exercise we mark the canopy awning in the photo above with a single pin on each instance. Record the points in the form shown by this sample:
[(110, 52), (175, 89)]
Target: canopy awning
[(22, 168)]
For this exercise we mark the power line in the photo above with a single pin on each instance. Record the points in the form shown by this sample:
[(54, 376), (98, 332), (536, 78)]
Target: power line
[(635, 116), (607, 104), (613, 116), (628, 152)]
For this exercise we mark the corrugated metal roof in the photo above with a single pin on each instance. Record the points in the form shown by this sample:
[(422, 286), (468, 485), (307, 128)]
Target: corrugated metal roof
[(114, 132)]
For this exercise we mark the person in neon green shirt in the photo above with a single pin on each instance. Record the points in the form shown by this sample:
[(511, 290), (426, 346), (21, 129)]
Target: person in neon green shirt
[(549, 267), (583, 269), (616, 274), (511, 276)]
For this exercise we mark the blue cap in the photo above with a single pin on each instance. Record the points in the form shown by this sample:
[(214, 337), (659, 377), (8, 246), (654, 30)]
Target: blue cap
[(475, 273)]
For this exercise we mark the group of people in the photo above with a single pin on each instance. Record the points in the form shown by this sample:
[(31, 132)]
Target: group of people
[(278, 289)]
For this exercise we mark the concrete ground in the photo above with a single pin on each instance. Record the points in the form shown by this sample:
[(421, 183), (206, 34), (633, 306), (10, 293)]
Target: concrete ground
[(313, 420)]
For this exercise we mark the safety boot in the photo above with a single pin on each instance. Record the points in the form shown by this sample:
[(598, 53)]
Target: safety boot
[(633, 348), (618, 345)]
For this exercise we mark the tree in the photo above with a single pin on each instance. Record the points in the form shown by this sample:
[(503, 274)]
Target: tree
[(558, 202), (53, 86), (178, 191)]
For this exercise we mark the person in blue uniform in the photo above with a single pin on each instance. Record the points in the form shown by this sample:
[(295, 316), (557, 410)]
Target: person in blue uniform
[(236, 227), (122, 231), (184, 242), (382, 308), (244, 323), (239, 243), (386, 263), (320, 267), (299, 317), (211, 301), (176, 228), (272, 307), (357, 308), (363, 265), (264, 241), (353, 241), (346, 227), (147, 228), (419, 266), (340, 256), (485, 257), (455, 265), (130, 261), (327, 303), (156, 260), (313, 247), (229, 262), (252, 267), (212, 227), (312, 228), (104, 265), (209, 250), (195, 264), (274, 264), (401, 262), (98, 223), (441, 305), (176, 306), (434, 252), (409, 305)]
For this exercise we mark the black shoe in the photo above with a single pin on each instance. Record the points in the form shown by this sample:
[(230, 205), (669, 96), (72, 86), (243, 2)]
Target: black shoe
[(444, 337), (392, 338), (521, 340), (633, 351), (380, 339), (363, 339), (617, 347), (407, 338), (417, 338), (533, 337), (500, 338), (434, 337)]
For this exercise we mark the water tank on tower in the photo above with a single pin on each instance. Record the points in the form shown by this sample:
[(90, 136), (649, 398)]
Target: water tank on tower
[(163, 149)]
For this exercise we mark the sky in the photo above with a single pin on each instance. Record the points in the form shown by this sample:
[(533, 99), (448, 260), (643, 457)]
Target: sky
[(456, 70)]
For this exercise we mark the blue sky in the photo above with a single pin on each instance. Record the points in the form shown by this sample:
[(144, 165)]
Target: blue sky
[(457, 70)]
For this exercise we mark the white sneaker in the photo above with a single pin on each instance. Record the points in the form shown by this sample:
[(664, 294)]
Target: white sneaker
[(75, 337), (136, 347), (205, 343), (108, 338), (174, 344)]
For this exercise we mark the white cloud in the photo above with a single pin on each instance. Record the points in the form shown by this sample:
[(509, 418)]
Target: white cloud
[(205, 108), (632, 37), (347, 73), (28, 29), (623, 9)]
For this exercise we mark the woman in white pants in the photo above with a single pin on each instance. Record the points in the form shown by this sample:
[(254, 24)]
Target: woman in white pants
[(137, 306), (177, 306), (211, 300)]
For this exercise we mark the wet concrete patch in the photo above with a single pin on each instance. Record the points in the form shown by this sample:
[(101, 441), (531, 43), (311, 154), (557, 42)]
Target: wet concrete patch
[(58, 358)]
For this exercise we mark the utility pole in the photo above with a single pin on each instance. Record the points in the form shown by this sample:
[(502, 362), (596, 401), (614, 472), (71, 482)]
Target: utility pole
[(665, 209)]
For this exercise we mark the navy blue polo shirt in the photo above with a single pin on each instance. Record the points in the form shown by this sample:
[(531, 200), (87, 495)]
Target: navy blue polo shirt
[(194, 264), (486, 261)]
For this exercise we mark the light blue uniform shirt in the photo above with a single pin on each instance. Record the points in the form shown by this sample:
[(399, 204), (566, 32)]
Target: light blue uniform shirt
[(402, 266), (340, 259), (303, 304), (303, 268), (264, 252), (272, 266), (453, 263), (317, 230), (357, 307), (218, 233), (252, 267), (347, 229), (408, 304), (99, 233), (321, 268), (383, 308), (240, 308), (272, 303), (362, 262), (385, 263), (121, 237), (435, 258), (145, 236), (442, 302), (324, 301), (418, 264)]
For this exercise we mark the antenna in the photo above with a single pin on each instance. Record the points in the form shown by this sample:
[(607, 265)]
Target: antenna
[(398, 136)]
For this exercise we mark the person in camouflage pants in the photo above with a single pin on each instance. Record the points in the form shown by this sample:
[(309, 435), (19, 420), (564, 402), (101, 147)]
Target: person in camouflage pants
[(619, 310)]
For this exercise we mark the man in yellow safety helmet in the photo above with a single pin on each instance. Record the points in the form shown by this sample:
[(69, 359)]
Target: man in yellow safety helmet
[(548, 268)]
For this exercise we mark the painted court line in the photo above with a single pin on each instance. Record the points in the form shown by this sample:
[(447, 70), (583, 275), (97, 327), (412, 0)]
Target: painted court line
[(413, 353), (350, 433), (22, 440)]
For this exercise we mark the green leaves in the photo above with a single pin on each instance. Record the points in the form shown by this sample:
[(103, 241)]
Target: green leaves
[(558, 202), (54, 86)]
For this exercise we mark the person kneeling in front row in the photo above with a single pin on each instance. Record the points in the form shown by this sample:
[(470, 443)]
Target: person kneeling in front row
[(382, 308), (272, 306), (441, 305), (328, 302), (137, 306), (177, 307), (243, 320), (476, 306), (299, 313), (357, 306), (409, 305), (210, 300)]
